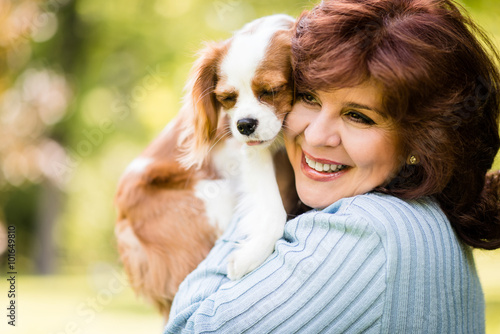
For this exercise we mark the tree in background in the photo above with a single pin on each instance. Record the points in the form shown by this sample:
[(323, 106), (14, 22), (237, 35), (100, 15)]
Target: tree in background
[(34, 98)]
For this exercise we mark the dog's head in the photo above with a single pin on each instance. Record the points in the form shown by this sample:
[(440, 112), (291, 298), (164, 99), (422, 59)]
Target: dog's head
[(249, 78)]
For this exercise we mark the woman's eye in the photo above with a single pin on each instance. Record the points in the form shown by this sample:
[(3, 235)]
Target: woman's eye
[(308, 98), (358, 117)]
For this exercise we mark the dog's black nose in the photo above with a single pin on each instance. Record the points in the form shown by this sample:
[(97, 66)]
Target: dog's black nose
[(246, 126)]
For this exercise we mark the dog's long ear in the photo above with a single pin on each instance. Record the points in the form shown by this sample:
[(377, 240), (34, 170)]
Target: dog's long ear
[(201, 106)]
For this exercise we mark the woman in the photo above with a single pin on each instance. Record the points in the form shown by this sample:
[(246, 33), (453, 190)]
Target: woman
[(390, 138)]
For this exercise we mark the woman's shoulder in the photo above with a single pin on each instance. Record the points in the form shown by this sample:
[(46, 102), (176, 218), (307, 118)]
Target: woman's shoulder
[(383, 205), (427, 268), (414, 225), (387, 212)]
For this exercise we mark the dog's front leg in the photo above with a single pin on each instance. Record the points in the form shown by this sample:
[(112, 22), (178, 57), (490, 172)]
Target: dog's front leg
[(263, 215)]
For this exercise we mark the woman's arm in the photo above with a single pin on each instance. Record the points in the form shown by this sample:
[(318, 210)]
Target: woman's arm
[(327, 271)]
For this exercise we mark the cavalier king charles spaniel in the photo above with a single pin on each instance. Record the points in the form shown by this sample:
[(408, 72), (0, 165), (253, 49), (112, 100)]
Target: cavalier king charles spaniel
[(221, 157)]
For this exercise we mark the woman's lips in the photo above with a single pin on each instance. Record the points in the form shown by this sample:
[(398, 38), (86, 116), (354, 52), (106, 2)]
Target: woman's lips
[(320, 176)]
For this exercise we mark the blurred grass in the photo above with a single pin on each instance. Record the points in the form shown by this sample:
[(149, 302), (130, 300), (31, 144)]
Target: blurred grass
[(488, 266), (101, 302), (83, 304)]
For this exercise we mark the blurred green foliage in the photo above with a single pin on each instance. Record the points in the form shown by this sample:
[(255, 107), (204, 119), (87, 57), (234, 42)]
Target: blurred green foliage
[(124, 65)]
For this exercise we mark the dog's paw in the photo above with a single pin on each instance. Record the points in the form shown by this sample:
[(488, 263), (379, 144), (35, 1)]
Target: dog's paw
[(262, 230), (245, 259)]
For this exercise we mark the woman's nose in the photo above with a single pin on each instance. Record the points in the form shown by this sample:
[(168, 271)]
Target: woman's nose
[(323, 132)]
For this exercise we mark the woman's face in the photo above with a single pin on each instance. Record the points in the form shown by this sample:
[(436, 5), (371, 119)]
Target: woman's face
[(340, 144)]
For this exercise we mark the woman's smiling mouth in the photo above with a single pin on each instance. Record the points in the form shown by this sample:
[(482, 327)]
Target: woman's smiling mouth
[(321, 170)]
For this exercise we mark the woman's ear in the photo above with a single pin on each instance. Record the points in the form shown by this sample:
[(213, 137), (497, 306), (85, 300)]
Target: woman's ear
[(201, 106)]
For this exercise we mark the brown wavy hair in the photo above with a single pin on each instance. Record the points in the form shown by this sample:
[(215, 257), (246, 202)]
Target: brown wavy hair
[(440, 79)]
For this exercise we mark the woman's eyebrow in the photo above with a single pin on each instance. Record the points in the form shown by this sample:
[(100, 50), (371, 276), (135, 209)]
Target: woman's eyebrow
[(363, 106)]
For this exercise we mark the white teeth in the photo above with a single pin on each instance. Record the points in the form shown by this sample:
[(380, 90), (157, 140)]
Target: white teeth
[(318, 166), (311, 163)]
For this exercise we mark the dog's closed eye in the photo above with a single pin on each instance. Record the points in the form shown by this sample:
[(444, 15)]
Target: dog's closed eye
[(270, 92), (228, 100), (267, 95)]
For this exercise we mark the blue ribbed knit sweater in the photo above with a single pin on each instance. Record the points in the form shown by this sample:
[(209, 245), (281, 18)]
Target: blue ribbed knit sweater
[(367, 264)]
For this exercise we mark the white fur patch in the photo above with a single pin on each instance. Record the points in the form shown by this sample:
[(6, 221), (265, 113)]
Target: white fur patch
[(227, 159), (128, 239), (220, 196), (138, 165), (219, 199)]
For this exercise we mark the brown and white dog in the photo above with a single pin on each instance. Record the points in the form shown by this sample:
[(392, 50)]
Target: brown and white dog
[(177, 197)]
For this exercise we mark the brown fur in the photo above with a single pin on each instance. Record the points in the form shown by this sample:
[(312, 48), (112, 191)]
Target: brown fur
[(204, 113), (276, 71), (162, 229)]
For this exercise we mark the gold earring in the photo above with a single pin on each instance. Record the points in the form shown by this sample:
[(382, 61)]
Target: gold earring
[(412, 160)]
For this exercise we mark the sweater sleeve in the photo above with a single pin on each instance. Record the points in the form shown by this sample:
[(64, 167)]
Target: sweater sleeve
[(327, 272)]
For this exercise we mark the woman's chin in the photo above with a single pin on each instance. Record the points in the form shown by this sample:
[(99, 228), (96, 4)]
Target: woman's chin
[(316, 200)]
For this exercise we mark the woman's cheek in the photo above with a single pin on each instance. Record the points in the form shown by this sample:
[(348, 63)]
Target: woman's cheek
[(296, 121)]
